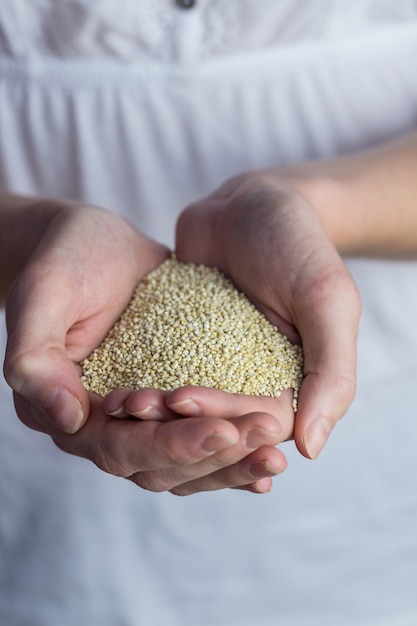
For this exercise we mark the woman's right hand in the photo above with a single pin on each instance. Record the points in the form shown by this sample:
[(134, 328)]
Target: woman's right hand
[(264, 234)]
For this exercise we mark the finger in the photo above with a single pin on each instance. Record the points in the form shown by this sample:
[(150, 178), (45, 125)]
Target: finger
[(263, 485), (247, 474), (202, 401), (36, 364), (50, 381), (329, 343), (255, 430), (198, 402), (60, 308), (195, 230), (142, 404), (124, 447), (323, 400)]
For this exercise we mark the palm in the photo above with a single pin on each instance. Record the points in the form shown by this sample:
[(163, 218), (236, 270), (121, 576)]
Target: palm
[(270, 241), (72, 290)]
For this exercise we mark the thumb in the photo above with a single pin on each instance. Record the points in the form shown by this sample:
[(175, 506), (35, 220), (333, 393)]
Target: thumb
[(197, 233), (51, 385), (323, 400), (37, 366), (329, 343)]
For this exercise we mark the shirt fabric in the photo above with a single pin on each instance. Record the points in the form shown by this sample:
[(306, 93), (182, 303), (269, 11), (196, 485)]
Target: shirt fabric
[(143, 107)]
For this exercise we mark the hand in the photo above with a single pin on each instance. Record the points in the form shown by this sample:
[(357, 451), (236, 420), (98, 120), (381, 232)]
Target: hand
[(247, 463), (263, 233), (78, 280), (75, 285)]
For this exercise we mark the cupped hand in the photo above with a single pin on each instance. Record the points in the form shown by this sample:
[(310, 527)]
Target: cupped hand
[(267, 237), (183, 456), (75, 285), (247, 463), (73, 288)]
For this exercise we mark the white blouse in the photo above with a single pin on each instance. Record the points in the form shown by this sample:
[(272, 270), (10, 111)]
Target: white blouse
[(142, 106), (157, 29)]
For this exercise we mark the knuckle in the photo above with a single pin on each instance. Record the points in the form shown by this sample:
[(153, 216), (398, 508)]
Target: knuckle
[(346, 388), (256, 189), (177, 456), (18, 369), (176, 453)]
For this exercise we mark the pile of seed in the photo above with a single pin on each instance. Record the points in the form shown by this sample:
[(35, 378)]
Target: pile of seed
[(189, 325)]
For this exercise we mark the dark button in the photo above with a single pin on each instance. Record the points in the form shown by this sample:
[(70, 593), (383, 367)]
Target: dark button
[(185, 4)]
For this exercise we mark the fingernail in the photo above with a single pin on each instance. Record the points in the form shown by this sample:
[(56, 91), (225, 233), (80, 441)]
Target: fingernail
[(151, 412), (64, 410), (214, 443), (263, 485), (120, 412), (186, 407), (316, 436), (262, 469), (259, 437)]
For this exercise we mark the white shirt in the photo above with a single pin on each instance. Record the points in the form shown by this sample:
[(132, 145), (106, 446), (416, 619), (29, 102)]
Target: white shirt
[(143, 107)]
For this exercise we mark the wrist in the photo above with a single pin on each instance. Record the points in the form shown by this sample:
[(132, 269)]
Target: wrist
[(366, 200), (24, 221), (339, 209)]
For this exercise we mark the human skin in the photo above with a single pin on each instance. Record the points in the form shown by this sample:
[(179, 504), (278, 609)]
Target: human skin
[(269, 240), (59, 308), (277, 233)]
